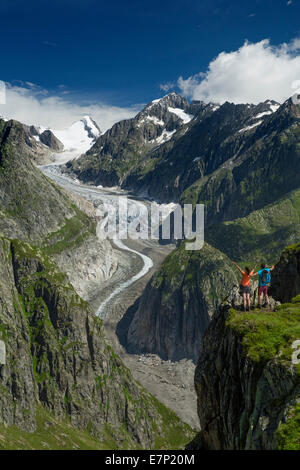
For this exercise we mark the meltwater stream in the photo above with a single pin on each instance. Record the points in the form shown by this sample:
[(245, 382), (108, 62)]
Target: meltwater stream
[(101, 312), (105, 197)]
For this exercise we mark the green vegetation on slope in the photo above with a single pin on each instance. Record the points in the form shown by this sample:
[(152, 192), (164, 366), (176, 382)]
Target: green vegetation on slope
[(193, 264), (58, 434), (262, 234), (176, 434), (71, 234), (293, 248), (31, 204), (268, 335), (288, 433), (51, 434)]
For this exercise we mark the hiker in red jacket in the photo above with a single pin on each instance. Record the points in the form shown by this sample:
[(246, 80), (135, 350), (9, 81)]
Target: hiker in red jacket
[(245, 284)]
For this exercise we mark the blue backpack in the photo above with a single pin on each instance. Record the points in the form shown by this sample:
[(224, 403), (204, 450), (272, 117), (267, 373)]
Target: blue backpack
[(266, 276)]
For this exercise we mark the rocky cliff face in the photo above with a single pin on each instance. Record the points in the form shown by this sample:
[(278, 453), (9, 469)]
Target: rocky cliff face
[(57, 356), (286, 276), (31, 205), (39, 149), (177, 304), (248, 384), (49, 139), (214, 136)]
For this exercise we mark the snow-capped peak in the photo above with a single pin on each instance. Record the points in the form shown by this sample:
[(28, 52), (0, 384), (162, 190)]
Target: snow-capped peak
[(79, 137), (164, 97), (171, 99), (91, 127), (273, 105), (269, 107)]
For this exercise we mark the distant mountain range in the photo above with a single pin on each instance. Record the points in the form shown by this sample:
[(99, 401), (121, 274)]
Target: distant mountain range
[(79, 137), (74, 140), (170, 144), (235, 159)]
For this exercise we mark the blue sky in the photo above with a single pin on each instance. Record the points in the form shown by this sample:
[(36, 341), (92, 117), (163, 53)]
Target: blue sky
[(62, 59), (120, 52)]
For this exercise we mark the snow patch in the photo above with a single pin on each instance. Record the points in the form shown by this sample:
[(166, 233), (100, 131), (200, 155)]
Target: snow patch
[(274, 107), (260, 115), (251, 127), (153, 119), (181, 114), (164, 137)]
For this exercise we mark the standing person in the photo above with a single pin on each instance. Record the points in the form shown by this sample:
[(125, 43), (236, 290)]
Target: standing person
[(264, 275), (245, 284)]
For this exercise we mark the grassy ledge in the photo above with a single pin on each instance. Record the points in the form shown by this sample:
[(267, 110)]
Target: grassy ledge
[(268, 335)]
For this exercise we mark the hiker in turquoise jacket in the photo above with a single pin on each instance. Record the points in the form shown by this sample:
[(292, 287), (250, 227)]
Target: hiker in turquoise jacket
[(264, 275)]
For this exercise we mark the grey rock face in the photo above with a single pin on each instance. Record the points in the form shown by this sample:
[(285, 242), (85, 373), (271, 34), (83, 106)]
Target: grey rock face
[(18, 388), (48, 138), (240, 402), (90, 131), (286, 276), (34, 130), (31, 206), (246, 380), (57, 356), (2, 353)]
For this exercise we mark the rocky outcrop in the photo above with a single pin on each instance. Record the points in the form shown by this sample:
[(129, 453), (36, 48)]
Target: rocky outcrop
[(57, 356), (18, 390), (286, 276), (31, 206), (176, 306), (248, 378), (48, 138), (245, 388)]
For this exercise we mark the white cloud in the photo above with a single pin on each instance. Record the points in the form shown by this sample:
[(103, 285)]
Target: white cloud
[(31, 104), (254, 73), (167, 86)]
